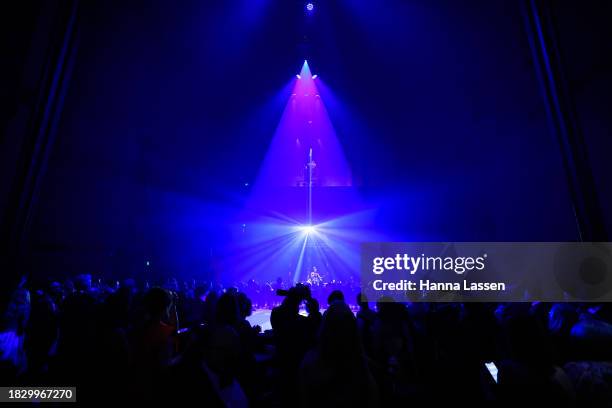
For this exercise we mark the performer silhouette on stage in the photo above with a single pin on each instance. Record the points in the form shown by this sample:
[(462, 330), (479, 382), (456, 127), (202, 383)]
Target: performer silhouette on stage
[(315, 279)]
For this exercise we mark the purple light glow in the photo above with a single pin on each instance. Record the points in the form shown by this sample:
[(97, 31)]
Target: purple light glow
[(305, 124), (303, 210)]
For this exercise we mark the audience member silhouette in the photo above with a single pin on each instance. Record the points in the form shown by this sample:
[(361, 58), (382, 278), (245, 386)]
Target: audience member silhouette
[(336, 373), (193, 342)]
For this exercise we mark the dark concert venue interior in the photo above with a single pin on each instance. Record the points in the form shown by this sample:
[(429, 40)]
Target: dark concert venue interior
[(186, 189)]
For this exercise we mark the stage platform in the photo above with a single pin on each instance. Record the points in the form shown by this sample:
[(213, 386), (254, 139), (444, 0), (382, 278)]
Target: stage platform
[(261, 317)]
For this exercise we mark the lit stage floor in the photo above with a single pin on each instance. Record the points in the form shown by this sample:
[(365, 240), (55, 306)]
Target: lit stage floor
[(261, 317)]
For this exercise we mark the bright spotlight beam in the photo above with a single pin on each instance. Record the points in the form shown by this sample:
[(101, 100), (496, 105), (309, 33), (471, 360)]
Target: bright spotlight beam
[(308, 229)]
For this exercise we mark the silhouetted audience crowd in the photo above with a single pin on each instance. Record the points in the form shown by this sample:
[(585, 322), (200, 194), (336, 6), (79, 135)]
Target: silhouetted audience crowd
[(193, 343)]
